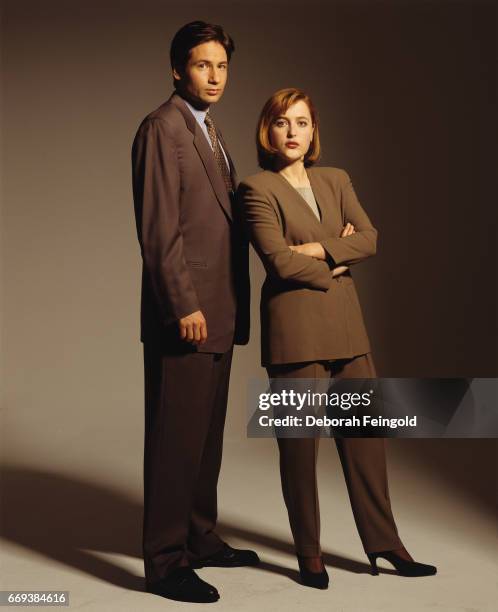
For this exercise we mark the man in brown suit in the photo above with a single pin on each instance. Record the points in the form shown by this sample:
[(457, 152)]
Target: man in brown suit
[(195, 305)]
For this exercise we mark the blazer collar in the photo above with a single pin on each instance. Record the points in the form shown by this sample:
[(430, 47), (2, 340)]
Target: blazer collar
[(207, 157), (317, 192)]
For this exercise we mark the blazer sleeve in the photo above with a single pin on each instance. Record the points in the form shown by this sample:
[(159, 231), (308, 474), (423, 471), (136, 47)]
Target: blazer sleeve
[(156, 193), (265, 232), (360, 245), (241, 278)]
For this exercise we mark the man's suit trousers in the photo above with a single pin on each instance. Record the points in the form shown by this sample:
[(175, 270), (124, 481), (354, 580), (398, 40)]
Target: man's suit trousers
[(363, 462), (185, 407)]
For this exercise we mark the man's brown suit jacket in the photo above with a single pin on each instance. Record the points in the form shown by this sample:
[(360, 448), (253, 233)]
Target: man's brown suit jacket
[(195, 255)]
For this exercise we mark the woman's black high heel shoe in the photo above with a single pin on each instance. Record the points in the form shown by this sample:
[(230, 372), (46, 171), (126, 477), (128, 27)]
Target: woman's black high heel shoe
[(316, 580), (404, 567)]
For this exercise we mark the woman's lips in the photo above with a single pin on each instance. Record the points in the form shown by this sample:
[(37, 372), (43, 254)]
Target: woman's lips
[(291, 145), (212, 91)]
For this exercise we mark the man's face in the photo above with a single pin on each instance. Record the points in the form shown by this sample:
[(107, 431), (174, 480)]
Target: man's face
[(205, 76)]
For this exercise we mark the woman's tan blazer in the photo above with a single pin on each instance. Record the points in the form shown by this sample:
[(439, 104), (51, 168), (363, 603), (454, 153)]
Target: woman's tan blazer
[(306, 314)]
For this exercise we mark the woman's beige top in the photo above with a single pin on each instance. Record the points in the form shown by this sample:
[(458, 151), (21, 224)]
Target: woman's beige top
[(306, 314), (308, 196)]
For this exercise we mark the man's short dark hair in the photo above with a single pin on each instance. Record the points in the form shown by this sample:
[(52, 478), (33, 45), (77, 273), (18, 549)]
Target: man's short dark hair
[(193, 34)]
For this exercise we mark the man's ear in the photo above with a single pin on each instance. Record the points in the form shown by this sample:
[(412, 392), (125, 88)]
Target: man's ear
[(176, 75)]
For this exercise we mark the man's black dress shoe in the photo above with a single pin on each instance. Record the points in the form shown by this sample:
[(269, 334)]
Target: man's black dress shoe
[(228, 557), (183, 584)]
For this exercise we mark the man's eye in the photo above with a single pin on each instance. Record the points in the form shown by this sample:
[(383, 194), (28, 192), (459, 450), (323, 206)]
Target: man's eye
[(201, 65), (223, 67)]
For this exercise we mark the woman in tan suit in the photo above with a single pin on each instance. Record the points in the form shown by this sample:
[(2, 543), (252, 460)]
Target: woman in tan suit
[(308, 228)]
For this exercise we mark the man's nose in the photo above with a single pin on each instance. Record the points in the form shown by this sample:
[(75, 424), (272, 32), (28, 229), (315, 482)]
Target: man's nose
[(214, 76)]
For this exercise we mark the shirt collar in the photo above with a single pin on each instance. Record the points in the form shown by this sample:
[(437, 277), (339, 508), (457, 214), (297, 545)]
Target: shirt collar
[(200, 115)]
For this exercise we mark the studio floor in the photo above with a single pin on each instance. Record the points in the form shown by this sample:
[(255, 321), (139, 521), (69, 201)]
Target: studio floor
[(74, 525)]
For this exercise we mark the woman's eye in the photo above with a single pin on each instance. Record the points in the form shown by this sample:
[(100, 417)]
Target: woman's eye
[(303, 123), (280, 123)]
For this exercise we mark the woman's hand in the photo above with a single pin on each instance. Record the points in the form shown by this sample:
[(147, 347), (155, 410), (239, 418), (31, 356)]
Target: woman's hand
[(312, 249), (316, 250), (339, 270), (348, 230)]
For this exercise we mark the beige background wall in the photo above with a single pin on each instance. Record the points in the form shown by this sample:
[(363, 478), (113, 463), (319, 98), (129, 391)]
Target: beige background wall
[(405, 95)]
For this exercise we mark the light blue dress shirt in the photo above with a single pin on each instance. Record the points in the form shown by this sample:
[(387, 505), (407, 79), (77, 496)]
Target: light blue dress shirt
[(200, 115)]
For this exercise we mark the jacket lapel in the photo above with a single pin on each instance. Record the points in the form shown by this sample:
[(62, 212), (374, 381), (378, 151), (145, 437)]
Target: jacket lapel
[(300, 203), (207, 157), (319, 193)]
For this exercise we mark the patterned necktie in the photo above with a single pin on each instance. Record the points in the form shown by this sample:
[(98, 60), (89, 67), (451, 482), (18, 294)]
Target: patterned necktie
[(218, 153)]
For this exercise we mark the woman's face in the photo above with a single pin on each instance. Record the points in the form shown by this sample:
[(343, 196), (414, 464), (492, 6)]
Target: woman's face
[(291, 134)]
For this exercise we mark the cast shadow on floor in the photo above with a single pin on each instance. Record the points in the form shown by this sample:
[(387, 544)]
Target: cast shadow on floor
[(72, 521)]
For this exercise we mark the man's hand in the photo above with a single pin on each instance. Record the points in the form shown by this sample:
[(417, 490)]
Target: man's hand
[(193, 328)]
